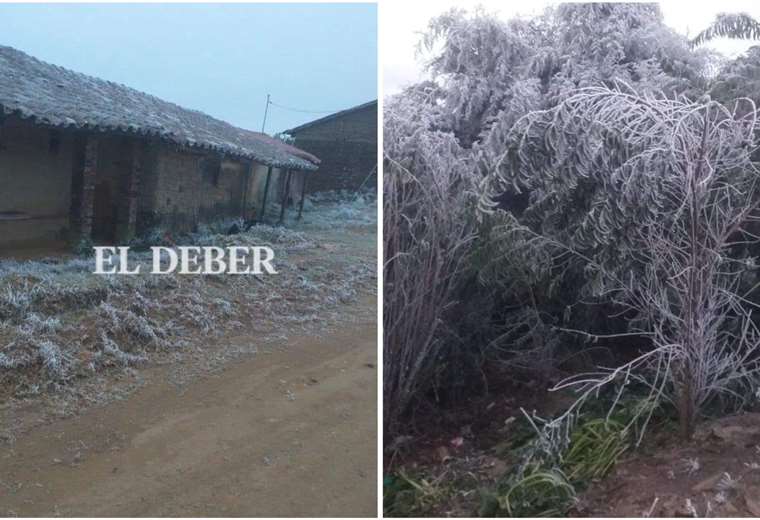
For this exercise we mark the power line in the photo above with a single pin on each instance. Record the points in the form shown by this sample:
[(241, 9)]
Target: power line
[(303, 110), (292, 109)]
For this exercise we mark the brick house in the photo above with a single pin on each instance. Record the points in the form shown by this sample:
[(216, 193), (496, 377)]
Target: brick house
[(346, 143), (81, 158)]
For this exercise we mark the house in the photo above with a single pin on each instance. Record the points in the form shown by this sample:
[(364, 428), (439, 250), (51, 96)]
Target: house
[(83, 158), (346, 143)]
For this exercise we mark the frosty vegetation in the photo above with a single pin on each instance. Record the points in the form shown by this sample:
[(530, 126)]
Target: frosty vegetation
[(573, 199), (59, 323)]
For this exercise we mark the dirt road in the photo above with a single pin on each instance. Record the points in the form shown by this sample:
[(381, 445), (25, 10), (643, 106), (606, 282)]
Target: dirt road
[(291, 432)]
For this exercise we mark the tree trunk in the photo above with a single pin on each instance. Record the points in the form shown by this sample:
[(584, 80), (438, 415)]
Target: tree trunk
[(686, 412)]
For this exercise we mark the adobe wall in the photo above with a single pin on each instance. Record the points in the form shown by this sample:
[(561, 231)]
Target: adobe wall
[(276, 188), (181, 188), (347, 147), (114, 167), (41, 179), (35, 183)]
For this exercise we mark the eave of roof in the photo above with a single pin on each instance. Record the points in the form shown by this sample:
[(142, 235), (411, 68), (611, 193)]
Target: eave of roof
[(336, 115), (57, 97)]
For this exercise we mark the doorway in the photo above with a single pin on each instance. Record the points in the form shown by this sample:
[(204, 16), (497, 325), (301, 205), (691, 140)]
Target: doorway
[(104, 213)]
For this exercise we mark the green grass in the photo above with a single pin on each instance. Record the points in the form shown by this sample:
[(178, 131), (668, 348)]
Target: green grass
[(548, 487), (543, 485), (405, 496), (595, 447), (539, 492)]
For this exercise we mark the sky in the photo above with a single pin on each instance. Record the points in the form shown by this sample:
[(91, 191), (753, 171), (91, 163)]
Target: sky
[(220, 59), (402, 23)]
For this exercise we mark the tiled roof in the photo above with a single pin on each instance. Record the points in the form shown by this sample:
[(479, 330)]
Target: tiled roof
[(54, 96)]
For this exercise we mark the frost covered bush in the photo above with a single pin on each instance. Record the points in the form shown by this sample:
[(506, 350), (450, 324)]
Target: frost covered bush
[(60, 323), (11, 362), (34, 324), (14, 301), (112, 353), (675, 194), (581, 130), (126, 322), (35, 345), (56, 363), (49, 286), (428, 231), (327, 210)]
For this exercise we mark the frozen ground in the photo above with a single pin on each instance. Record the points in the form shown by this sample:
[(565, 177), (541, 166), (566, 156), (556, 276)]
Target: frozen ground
[(69, 338), (289, 432)]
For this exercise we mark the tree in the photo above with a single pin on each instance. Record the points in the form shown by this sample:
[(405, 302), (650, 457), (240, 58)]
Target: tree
[(678, 177), (482, 114), (729, 25), (739, 78), (490, 69)]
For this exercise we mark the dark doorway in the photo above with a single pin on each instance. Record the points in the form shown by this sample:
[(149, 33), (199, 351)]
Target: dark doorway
[(104, 213)]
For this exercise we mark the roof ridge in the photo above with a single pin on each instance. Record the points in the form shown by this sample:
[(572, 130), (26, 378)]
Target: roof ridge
[(331, 116)]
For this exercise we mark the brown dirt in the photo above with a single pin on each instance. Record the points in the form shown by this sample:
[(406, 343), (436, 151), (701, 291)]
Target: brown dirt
[(655, 480), (659, 479), (288, 432)]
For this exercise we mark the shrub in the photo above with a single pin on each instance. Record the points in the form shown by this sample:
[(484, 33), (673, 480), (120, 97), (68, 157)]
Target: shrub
[(674, 192), (428, 231)]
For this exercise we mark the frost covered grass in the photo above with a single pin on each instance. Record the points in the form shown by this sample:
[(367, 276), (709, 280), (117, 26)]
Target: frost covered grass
[(333, 209), (59, 323)]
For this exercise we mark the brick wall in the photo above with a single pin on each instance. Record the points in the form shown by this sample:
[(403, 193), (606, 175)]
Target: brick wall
[(58, 185), (182, 188), (347, 147), (111, 174)]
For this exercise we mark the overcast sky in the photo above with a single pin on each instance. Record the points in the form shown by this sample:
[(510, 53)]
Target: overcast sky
[(403, 21), (221, 59)]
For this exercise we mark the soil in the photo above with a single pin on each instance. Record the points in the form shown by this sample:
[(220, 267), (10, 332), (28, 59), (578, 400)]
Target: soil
[(288, 432), (263, 406), (715, 474), (462, 449)]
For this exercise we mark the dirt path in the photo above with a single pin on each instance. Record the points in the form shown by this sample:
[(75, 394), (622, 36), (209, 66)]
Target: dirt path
[(286, 433)]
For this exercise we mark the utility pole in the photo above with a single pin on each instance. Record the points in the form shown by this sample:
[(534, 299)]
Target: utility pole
[(266, 111)]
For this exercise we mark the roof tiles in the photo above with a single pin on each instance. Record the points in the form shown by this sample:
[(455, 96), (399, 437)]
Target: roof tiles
[(58, 97)]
